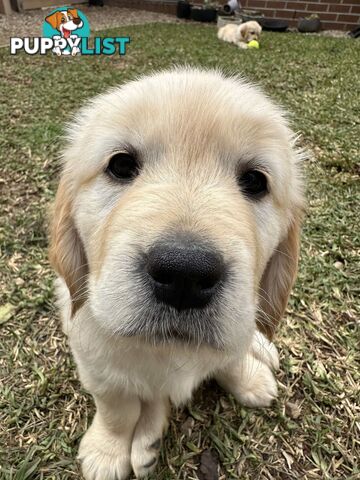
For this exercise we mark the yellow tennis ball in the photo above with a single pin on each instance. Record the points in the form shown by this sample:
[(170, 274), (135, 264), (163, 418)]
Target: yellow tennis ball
[(254, 44)]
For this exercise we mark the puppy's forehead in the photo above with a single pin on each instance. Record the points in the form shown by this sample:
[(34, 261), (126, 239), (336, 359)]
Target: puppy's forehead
[(206, 109), (191, 114)]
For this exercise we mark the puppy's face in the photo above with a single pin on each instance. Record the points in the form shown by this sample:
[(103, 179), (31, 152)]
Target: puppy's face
[(250, 31), (65, 21), (179, 202)]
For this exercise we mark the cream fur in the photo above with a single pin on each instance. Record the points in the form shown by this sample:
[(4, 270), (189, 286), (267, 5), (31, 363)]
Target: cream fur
[(193, 130)]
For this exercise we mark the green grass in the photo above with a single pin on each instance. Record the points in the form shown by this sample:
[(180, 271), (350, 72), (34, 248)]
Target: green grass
[(311, 431)]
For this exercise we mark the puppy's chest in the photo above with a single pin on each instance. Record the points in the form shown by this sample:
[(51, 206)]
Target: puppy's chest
[(151, 374), (124, 364)]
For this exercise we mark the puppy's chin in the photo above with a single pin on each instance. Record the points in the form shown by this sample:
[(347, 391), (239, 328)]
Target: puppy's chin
[(163, 325)]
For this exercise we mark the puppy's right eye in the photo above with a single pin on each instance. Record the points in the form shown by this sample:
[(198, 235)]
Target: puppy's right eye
[(254, 184), (123, 166)]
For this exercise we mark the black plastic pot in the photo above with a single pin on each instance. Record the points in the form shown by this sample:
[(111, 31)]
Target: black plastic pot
[(183, 9), (204, 14), (355, 33), (309, 25), (273, 25)]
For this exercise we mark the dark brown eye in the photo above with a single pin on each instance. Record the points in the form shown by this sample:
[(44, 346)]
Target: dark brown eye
[(254, 184), (123, 166)]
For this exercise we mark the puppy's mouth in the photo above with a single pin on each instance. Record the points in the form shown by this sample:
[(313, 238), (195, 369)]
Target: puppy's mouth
[(159, 324), (66, 32)]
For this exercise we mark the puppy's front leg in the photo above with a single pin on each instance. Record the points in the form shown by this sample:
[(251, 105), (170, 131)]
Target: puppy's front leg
[(251, 378), (147, 438), (105, 449)]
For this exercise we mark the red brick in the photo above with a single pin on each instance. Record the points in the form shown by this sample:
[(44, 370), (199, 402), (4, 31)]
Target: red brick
[(330, 1), (331, 17), (339, 8), (252, 4), (276, 5), (301, 15), (336, 26), (348, 18), (257, 3), (287, 14), (316, 7), (355, 9), (296, 6), (296, 13)]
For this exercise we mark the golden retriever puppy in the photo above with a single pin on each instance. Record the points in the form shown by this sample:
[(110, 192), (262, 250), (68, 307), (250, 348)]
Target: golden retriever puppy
[(241, 34), (175, 237)]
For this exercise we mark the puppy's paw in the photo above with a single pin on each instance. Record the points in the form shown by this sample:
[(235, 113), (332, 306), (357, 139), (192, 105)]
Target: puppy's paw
[(103, 456), (251, 379), (265, 351), (144, 455), (146, 441), (257, 386)]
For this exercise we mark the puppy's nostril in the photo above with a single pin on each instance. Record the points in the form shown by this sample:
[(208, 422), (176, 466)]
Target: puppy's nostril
[(160, 276), (184, 275)]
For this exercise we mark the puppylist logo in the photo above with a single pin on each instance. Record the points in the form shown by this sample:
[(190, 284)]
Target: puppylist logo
[(66, 31)]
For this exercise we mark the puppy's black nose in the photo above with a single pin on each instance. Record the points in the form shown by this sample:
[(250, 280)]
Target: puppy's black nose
[(184, 275)]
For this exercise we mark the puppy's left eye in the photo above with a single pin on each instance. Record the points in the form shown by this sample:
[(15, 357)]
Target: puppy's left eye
[(123, 166), (253, 183)]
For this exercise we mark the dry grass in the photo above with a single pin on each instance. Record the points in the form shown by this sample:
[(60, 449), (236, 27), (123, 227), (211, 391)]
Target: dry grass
[(311, 432)]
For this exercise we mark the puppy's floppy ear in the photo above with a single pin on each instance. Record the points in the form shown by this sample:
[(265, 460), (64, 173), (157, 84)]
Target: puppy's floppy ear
[(243, 29), (73, 12), (53, 20), (67, 254), (278, 279)]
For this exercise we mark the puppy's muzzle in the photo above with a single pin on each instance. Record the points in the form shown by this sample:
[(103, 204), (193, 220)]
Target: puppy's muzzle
[(184, 274), (77, 20)]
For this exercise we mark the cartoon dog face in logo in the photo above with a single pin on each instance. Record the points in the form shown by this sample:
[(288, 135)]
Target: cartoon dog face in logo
[(65, 21)]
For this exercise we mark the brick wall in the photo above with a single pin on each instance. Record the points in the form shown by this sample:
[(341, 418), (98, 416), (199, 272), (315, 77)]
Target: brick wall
[(161, 6), (334, 14)]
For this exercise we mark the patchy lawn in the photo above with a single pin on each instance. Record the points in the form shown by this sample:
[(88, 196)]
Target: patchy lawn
[(311, 431)]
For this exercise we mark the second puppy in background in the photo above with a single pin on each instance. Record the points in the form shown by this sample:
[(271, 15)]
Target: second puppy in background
[(241, 34)]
